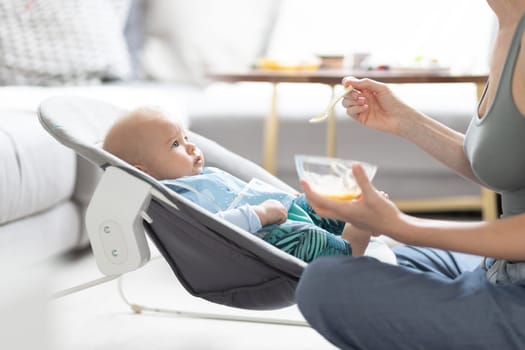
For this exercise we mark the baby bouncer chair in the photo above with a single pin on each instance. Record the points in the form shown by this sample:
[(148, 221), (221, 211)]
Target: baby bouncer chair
[(211, 258)]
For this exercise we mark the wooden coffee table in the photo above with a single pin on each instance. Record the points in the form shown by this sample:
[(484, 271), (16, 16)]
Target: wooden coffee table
[(486, 202)]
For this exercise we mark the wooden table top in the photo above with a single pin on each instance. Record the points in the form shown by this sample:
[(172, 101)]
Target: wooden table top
[(335, 76)]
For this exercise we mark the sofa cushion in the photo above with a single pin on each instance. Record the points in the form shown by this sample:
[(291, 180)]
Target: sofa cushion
[(36, 172), (170, 98), (184, 38), (63, 42), (41, 235)]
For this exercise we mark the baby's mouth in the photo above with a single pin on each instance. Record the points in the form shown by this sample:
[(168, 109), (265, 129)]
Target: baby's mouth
[(198, 160)]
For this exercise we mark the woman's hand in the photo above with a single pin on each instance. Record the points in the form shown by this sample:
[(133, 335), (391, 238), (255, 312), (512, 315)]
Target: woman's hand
[(374, 105), (271, 212), (371, 211)]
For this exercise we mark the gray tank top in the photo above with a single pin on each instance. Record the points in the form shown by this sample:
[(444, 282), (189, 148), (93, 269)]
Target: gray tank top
[(495, 143)]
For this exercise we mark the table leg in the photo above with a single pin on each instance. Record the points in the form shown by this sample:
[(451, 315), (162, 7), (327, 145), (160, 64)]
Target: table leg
[(480, 87), (489, 205), (271, 134), (330, 130)]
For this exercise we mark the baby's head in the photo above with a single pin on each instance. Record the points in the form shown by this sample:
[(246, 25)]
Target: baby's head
[(155, 144)]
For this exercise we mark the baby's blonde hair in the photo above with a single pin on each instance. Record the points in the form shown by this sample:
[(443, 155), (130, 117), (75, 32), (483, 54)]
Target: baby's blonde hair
[(125, 139)]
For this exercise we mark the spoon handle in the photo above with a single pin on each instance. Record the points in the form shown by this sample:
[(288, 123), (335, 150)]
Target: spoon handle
[(331, 105)]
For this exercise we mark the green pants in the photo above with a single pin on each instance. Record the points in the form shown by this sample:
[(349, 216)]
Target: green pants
[(309, 238)]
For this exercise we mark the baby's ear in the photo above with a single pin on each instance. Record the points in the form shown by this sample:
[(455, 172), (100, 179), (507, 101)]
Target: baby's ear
[(145, 169)]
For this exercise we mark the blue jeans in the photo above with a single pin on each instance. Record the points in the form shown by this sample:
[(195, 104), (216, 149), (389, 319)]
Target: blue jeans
[(433, 300)]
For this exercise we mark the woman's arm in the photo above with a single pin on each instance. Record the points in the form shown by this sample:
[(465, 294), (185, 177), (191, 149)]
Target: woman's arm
[(374, 105), (438, 140), (504, 238)]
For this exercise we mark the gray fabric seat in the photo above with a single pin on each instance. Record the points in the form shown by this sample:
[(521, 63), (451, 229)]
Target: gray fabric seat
[(212, 259)]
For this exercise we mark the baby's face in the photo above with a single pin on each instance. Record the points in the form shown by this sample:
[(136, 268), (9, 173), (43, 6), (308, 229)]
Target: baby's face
[(170, 154)]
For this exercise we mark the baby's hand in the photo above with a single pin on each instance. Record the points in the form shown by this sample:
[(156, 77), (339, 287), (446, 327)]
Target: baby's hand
[(271, 212)]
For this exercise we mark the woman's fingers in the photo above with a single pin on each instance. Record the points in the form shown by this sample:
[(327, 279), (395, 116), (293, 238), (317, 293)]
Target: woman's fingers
[(350, 80), (323, 206), (314, 198), (308, 190), (355, 111), (361, 84), (322, 203), (355, 104), (353, 100), (362, 179)]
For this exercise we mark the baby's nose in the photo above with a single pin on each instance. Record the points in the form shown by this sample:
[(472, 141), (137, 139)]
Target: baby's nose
[(190, 147)]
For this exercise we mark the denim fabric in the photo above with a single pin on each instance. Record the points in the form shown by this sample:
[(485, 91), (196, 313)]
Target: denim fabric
[(503, 271), (432, 300)]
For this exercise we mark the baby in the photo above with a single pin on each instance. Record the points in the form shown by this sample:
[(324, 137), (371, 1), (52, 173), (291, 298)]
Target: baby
[(159, 146)]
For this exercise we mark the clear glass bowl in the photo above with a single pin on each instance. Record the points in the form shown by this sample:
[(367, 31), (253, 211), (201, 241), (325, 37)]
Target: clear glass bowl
[(332, 177)]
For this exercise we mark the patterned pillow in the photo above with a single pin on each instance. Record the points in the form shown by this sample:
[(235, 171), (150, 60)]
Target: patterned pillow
[(55, 42)]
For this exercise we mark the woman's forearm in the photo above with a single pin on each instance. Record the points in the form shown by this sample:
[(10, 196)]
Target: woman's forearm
[(438, 140), (503, 239)]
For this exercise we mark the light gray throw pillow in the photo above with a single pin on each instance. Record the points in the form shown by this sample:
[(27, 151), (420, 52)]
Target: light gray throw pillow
[(56, 42)]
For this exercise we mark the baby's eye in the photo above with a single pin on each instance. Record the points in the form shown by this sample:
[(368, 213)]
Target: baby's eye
[(175, 144)]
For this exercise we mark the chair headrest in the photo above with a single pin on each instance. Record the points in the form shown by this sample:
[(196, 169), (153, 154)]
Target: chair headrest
[(81, 124)]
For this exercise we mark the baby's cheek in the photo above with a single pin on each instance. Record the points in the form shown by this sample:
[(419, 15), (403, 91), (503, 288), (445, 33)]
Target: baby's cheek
[(197, 170)]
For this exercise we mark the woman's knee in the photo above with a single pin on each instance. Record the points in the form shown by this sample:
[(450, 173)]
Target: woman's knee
[(312, 278), (332, 278)]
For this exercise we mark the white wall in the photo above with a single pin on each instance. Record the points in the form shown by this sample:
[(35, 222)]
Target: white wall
[(456, 32)]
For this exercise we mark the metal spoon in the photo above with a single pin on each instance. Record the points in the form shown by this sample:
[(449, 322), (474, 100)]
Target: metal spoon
[(331, 105)]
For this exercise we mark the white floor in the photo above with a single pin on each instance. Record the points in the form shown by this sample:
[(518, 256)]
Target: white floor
[(98, 318)]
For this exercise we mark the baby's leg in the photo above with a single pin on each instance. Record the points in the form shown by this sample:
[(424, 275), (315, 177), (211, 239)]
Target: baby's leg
[(357, 238), (305, 241), (331, 225)]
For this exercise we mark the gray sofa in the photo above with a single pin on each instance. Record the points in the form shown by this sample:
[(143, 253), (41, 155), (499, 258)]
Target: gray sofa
[(44, 191)]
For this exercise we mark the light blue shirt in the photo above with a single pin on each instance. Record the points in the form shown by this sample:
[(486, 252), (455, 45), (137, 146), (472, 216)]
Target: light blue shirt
[(228, 196)]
